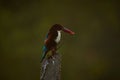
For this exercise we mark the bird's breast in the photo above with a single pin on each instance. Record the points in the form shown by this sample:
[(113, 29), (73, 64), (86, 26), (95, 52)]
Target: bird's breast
[(57, 40)]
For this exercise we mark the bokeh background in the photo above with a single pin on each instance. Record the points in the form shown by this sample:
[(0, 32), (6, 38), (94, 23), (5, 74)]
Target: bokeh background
[(93, 53)]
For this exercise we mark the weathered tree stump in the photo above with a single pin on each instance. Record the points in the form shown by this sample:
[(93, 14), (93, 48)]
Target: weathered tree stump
[(51, 68)]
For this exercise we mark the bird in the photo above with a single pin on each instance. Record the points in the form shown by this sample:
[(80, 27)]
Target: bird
[(53, 38)]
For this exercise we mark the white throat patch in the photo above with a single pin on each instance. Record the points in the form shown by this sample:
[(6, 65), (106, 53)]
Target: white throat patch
[(57, 40)]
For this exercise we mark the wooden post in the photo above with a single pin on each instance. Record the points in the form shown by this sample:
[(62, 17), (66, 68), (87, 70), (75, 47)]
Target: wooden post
[(51, 68)]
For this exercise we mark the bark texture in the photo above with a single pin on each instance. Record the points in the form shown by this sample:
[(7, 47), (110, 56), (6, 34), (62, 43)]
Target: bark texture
[(51, 68)]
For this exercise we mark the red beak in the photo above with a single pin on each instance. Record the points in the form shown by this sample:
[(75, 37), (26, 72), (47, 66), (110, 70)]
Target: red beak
[(68, 31)]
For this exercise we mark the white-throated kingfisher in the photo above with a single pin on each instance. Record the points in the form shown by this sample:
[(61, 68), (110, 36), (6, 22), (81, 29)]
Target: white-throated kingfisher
[(53, 38)]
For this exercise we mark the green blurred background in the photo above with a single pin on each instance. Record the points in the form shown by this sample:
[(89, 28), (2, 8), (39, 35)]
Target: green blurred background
[(93, 53)]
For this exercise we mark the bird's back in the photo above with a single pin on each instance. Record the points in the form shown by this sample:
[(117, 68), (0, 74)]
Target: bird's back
[(50, 42)]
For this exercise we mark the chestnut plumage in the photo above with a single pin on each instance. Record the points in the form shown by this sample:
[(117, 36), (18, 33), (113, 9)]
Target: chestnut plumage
[(53, 38)]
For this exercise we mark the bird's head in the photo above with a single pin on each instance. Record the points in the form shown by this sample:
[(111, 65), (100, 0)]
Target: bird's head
[(58, 27)]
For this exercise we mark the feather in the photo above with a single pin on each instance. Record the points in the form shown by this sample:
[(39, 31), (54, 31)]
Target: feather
[(44, 51)]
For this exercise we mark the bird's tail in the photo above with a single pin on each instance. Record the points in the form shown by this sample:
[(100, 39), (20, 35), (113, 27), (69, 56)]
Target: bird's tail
[(43, 56)]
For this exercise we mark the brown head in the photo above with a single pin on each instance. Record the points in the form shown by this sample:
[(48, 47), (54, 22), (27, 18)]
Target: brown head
[(58, 27)]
